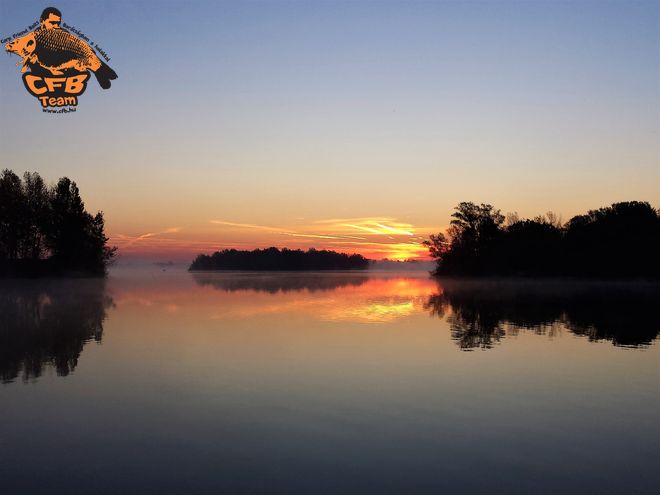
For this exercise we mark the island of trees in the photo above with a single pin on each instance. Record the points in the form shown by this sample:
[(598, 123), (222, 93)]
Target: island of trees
[(621, 240), (272, 259), (45, 230)]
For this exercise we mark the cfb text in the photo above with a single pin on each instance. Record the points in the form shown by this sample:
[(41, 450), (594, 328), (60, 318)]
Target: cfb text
[(56, 91)]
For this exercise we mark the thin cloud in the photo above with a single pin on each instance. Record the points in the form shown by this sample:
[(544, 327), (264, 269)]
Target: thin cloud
[(360, 227), (245, 225), (132, 240), (280, 230), (314, 236), (394, 230)]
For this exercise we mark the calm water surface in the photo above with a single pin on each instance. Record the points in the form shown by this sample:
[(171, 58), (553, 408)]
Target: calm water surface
[(169, 382)]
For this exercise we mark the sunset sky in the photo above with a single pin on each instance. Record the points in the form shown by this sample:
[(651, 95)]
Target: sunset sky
[(353, 126)]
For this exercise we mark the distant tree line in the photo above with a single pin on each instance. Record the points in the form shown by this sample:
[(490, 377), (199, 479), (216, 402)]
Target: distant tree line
[(275, 259), (622, 240), (45, 230)]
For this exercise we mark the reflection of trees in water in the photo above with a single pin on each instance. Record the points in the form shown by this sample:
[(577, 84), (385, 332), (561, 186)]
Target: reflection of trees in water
[(481, 313), (232, 282), (470, 327), (47, 323)]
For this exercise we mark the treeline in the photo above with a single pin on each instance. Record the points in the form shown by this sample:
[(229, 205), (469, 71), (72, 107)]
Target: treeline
[(45, 230), (622, 240), (272, 259)]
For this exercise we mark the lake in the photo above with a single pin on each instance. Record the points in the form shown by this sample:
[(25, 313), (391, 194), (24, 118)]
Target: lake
[(162, 381)]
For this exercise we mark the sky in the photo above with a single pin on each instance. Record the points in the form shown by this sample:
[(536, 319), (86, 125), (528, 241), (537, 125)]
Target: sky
[(354, 126)]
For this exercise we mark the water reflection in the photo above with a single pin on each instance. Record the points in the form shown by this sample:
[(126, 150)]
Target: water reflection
[(199, 388), (349, 297), (279, 282), (482, 313), (47, 323)]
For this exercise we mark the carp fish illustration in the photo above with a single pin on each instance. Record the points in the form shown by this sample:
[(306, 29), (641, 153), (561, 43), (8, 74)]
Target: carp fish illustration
[(58, 51)]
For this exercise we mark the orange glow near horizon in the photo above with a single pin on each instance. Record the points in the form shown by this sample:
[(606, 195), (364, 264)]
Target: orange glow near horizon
[(375, 238)]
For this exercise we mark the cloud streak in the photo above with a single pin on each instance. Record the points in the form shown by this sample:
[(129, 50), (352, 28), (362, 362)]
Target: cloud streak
[(130, 240)]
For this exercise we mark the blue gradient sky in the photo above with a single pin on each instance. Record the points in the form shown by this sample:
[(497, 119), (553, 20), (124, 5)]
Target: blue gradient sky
[(229, 119)]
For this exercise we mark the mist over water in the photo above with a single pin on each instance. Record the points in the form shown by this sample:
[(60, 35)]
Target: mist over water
[(163, 381)]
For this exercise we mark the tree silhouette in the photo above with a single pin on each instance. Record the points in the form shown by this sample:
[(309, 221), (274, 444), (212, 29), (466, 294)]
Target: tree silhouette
[(47, 230), (470, 239), (530, 247), (624, 237), (617, 241), (12, 214), (37, 201)]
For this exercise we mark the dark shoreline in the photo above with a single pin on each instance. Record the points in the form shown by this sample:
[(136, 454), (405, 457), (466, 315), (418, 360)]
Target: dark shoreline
[(32, 269)]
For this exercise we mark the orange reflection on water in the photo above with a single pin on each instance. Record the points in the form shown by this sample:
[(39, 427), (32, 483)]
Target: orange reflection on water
[(381, 300), (357, 297), (374, 312)]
